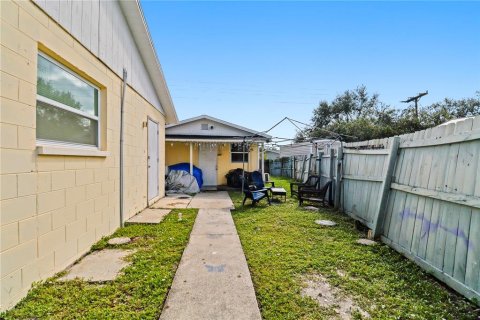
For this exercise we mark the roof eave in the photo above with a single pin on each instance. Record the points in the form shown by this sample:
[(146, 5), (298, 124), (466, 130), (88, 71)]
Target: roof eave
[(253, 132), (136, 22)]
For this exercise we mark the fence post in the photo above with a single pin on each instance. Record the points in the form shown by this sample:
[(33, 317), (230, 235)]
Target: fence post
[(304, 168), (385, 189), (339, 180), (293, 166), (332, 168), (319, 163)]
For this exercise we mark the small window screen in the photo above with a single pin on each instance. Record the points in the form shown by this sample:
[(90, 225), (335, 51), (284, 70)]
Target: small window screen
[(204, 126)]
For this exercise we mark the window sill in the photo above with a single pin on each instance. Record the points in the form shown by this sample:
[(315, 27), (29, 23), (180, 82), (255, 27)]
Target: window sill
[(65, 151)]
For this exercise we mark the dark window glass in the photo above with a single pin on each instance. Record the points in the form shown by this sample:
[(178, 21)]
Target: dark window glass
[(237, 152)]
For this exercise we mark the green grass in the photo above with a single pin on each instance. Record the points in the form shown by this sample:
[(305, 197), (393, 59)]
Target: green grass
[(138, 293), (283, 244)]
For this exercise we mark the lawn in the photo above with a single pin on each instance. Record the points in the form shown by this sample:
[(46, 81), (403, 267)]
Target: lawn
[(284, 246), (138, 293)]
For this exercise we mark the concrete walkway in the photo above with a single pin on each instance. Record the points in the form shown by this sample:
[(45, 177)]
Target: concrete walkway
[(212, 280), (202, 200)]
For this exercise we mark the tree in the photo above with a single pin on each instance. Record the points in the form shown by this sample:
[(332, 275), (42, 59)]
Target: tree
[(356, 115)]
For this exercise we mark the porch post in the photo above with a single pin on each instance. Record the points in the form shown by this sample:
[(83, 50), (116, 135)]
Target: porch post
[(258, 157), (263, 161), (191, 158)]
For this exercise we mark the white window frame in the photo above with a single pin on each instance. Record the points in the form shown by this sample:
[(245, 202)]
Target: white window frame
[(56, 104), (239, 152)]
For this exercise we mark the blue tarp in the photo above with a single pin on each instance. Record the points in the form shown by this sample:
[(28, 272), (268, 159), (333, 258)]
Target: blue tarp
[(197, 172)]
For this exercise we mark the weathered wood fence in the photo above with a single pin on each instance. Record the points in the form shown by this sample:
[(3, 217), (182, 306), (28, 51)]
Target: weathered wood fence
[(419, 193)]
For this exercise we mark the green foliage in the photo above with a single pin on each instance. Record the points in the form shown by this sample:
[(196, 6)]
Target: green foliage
[(283, 244), (360, 116), (46, 89), (138, 293)]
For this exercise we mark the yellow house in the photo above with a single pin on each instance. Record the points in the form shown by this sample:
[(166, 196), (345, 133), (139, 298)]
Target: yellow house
[(215, 146), (83, 111)]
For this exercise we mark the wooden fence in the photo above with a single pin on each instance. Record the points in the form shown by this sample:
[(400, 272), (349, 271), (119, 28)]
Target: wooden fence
[(300, 167), (419, 193)]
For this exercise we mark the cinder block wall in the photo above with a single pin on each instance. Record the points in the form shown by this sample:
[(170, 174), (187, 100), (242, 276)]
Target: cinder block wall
[(53, 208)]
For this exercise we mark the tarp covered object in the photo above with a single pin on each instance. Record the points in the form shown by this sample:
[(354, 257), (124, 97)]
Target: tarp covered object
[(197, 172), (179, 181)]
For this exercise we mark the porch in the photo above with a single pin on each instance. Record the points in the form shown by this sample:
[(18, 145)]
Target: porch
[(214, 146), (215, 157)]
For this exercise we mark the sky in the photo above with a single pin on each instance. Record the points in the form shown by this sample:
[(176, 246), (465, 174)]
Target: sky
[(254, 63)]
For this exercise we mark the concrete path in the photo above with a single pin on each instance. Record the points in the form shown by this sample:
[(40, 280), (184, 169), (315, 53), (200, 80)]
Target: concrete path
[(202, 200), (211, 200), (175, 201), (148, 215), (212, 280), (100, 266)]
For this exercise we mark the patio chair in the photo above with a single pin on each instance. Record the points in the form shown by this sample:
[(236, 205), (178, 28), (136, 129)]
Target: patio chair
[(256, 195), (257, 181), (312, 182), (314, 195)]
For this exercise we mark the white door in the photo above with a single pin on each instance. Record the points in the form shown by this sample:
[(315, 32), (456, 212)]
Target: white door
[(152, 160), (207, 161)]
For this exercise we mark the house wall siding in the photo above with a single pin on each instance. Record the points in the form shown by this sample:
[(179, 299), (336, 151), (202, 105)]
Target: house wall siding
[(53, 208), (101, 27), (225, 164), (178, 152)]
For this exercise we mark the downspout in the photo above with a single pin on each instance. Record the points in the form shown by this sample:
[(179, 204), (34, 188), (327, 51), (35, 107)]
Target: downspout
[(122, 102)]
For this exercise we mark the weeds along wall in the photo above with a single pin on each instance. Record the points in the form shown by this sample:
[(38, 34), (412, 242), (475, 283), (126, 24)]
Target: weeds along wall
[(420, 194)]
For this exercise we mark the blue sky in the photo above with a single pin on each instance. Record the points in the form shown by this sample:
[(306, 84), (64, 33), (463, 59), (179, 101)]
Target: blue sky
[(253, 63)]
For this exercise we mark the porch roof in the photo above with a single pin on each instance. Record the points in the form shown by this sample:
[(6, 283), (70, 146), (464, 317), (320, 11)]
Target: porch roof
[(215, 139), (207, 128)]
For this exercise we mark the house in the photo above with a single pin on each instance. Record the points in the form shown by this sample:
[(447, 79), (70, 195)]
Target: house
[(215, 146), (305, 148), (272, 154), (74, 167)]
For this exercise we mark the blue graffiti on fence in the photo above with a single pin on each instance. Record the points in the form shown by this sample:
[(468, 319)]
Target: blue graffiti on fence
[(429, 226)]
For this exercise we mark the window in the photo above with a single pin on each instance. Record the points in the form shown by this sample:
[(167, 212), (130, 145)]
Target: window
[(204, 126), (67, 105), (237, 152)]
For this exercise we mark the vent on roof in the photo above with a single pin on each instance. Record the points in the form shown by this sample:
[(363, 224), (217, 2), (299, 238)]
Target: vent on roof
[(204, 126)]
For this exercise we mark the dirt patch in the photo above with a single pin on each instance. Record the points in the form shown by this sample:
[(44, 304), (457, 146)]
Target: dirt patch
[(318, 288)]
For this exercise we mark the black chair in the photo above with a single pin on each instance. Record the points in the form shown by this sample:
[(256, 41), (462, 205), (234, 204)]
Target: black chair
[(314, 195), (312, 182), (257, 181), (256, 195)]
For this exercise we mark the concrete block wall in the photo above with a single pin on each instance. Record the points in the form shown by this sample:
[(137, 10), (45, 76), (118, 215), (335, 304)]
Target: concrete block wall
[(53, 208)]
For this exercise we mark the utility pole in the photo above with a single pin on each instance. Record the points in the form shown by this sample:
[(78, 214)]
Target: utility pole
[(415, 98)]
